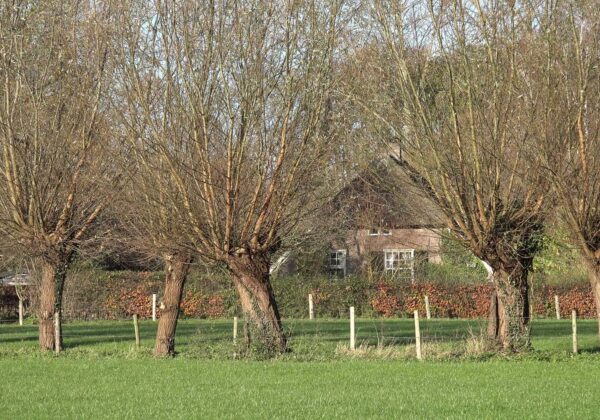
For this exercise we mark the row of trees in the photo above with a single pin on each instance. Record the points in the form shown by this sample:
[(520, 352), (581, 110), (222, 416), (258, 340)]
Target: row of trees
[(496, 107), (199, 127), (212, 132)]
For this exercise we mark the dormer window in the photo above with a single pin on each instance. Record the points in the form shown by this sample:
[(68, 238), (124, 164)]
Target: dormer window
[(379, 232)]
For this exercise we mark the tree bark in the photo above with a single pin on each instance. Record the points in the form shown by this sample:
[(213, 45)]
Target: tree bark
[(176, 270), (247, 309), (51, 295), (262, 327), (508, 320)]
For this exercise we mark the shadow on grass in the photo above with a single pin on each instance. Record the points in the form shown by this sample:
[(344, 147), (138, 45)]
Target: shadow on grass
[(546, 334)]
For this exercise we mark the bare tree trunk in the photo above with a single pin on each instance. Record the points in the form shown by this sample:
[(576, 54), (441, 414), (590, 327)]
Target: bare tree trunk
[(262, 327), (176, 267), (508, 320), (46, 308), (493, 317), (51, 294), (247, 308)]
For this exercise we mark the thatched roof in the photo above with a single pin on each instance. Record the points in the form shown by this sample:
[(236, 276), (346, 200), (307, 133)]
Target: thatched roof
[(385, 196)]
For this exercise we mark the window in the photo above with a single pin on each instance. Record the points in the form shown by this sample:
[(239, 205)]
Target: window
[(380, 232), (400, 261), (337, 261)]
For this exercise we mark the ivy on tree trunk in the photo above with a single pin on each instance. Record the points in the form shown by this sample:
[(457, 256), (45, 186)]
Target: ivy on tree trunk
[(262, 327)]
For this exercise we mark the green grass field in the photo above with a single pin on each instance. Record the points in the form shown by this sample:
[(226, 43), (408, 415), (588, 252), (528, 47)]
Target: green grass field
[(102, 375)]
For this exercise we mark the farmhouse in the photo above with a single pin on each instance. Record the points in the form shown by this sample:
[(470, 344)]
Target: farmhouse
[(389, 223)]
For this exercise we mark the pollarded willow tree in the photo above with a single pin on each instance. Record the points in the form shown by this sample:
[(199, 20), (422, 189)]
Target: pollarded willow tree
[(576, 176), (52, 131), (149, 225), (470, 109), (230, 100)]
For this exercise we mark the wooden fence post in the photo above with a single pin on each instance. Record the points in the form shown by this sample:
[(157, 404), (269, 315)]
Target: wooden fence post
[(235, 328), (153, 306), (136, 329), (531, 311), (574, 326), (417, 335), (427, 307), (20, 295), (311, 310), (57, 333), (20, 311), (352, 331), (557, 306)]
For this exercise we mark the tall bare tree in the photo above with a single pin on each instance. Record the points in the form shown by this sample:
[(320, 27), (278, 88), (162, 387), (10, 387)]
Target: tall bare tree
[(469, 106), (53, 58), (145, 212), (230, 103), (576, 175)]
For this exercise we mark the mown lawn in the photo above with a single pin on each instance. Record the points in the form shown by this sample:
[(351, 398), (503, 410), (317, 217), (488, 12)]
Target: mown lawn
[(101, 375), (213, 338), (309, 339)]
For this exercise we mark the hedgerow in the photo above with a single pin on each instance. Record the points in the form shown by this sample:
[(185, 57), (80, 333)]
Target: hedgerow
[(97, 294)]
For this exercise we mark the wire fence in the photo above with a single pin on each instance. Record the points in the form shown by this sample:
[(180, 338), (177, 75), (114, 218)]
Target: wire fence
[(415, 337), (418, 337)]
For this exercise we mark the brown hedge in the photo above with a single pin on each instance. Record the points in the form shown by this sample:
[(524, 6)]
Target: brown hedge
[(472, 301), (120, 295)]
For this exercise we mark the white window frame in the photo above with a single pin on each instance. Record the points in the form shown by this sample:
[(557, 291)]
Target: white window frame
[(340, 257), (391, 257), (380, 232)]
